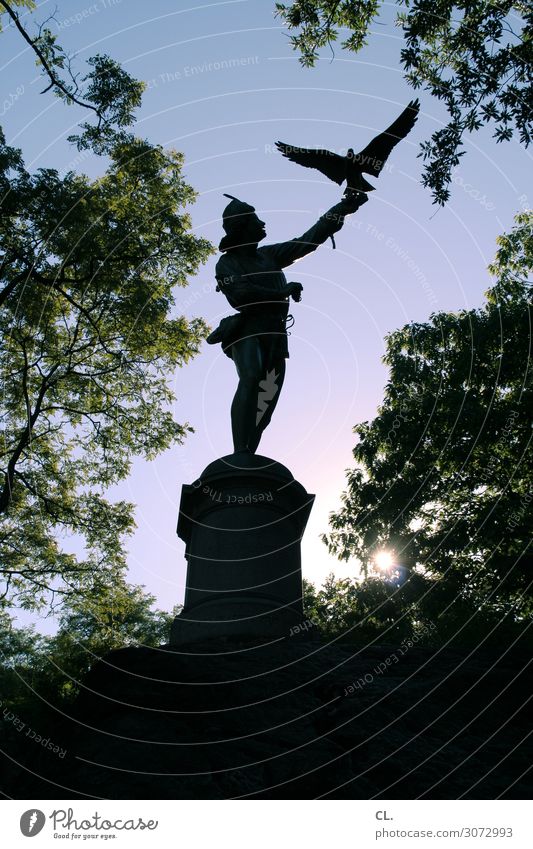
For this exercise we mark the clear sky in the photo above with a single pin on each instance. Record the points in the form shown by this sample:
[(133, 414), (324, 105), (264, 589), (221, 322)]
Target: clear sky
[(223, 86)]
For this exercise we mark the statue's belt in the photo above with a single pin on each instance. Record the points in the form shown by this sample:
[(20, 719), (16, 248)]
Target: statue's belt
[(232, 325)]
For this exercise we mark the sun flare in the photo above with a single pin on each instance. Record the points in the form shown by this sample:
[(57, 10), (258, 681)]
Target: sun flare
[(384, 560)]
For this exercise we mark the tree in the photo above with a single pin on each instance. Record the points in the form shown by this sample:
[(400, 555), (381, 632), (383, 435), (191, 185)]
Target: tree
[(91, 627), (110, 94), (87, 273), (19, 647), (38, 671), (377, 609), (27, 4), (466, 54), (443, 473)]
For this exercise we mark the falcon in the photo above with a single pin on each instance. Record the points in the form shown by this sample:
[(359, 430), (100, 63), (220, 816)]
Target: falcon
[(352, 166)]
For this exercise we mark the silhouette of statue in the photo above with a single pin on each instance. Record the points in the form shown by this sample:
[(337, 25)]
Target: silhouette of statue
[(352, 166), (252, 280)]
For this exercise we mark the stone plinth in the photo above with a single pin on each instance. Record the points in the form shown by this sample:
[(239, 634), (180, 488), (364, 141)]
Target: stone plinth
[(242, 522)]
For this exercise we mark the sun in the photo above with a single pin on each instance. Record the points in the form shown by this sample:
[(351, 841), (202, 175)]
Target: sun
[(384, 560)]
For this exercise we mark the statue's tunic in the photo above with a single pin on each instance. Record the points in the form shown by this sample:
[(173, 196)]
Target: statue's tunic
[(255, 285)]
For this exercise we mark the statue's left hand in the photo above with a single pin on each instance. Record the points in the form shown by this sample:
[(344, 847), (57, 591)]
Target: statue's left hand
[(295, 291)]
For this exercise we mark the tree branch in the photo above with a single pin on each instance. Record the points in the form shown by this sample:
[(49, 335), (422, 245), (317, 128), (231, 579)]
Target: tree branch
[(11, 286), (54, 79), (23, 440)]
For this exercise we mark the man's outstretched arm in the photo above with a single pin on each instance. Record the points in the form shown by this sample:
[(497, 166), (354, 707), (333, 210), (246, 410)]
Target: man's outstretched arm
[(285, 253)]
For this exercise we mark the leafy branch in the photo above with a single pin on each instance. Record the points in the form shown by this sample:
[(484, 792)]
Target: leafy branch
[(110, 93), (465, 54)]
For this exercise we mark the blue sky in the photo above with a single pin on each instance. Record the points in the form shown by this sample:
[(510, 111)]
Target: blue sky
[(223, 86)]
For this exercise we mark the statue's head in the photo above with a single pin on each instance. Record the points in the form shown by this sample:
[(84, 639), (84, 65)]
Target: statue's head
[(241, 224)]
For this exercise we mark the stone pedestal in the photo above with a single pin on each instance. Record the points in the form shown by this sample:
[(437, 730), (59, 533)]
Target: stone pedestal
[(242, 522)]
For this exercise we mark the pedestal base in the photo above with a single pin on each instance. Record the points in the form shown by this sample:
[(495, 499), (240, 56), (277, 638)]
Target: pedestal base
[(238, 618), (242, 522)]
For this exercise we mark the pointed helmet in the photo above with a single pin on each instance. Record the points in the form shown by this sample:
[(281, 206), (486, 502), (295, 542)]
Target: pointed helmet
[(233, 219)]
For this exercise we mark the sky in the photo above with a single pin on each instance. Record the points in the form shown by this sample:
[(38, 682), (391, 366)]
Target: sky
[(223, 84)]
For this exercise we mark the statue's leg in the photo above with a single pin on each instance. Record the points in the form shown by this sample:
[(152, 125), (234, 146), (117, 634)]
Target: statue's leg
[(247, 356), (268, 396)]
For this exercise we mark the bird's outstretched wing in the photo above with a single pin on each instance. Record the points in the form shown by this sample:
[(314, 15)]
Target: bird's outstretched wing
[(330, 164), (374, 156)]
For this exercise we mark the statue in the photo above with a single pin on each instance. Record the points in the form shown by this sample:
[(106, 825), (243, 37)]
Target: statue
[(252, 280)]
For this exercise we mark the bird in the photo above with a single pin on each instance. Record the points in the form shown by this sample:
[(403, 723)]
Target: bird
[(351, 167)]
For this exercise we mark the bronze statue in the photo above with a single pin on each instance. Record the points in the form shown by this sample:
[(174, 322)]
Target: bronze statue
[(252, 280)]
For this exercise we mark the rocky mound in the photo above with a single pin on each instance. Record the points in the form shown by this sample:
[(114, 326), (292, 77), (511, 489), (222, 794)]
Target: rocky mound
[(296, 719)]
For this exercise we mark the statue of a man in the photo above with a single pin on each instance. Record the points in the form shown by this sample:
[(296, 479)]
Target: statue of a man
[(252, 280)]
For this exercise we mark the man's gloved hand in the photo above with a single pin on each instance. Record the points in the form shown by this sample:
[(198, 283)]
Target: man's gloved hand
[(352, 201), (294, 291)]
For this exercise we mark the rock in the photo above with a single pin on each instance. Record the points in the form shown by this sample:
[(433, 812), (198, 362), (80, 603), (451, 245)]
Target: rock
[(294, 720)]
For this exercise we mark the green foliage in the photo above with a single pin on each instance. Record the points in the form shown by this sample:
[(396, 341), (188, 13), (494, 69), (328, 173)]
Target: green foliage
[(90, 340), (320, 20), (114, 95), (37, 670), (109, 619), (407, 607), (19, 648), (107, 91), (373, 610), (443, 473), (465, 54), (26, 4)]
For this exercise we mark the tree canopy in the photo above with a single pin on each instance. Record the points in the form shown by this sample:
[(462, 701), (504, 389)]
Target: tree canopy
[(88, 268), (107, 92), (37, 670), (443, 473), (475, 57), (24, 4), (92, 626)]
